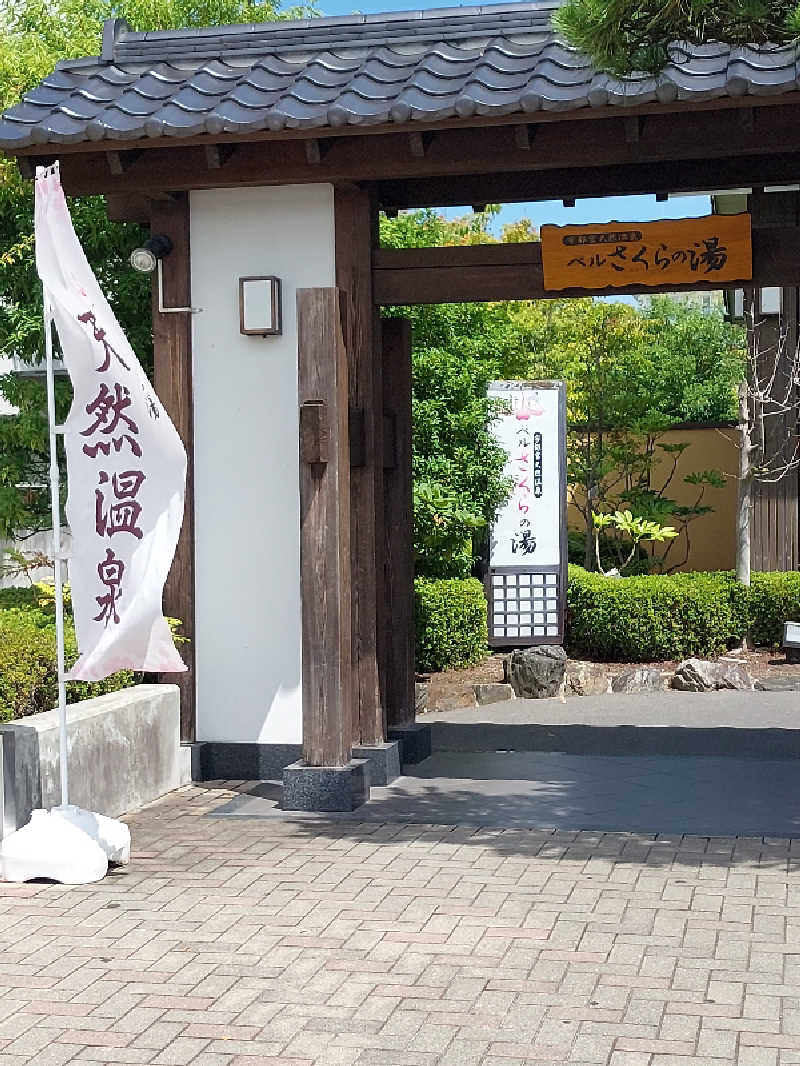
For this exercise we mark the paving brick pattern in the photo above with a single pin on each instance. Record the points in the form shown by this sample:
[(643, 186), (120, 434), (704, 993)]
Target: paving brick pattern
[(273, 942)]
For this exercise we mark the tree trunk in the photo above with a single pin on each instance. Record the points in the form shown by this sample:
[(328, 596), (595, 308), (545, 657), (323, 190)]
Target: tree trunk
[(744, 488), (588, 550), (588, 554)]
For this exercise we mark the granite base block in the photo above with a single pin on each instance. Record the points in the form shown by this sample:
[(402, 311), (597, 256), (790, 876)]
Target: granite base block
[(325, 789), (383, 759), (415, 742), (216, 760)]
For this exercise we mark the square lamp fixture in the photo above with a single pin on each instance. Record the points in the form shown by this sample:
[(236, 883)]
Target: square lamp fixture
[(260, 306)]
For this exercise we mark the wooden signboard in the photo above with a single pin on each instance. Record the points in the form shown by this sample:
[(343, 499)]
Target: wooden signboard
[(715, 248)]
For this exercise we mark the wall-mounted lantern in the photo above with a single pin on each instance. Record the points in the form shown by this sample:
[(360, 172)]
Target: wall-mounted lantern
[(770, 300), (260, 306)]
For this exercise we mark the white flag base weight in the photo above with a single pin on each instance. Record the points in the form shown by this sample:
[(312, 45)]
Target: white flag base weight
[(65, 844)]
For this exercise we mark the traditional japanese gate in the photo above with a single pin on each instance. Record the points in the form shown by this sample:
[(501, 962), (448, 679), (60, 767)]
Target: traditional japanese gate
[(207, 135)]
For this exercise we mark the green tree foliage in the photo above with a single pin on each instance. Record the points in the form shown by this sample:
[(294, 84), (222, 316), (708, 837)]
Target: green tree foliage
[(625, 36), (34, 36), (458, 350), (631, 374)]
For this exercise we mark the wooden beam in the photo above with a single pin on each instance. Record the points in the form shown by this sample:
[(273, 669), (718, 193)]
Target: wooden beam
[(120, 162), (527, 186), (702, 138), (397, 614), (217, 155), (121, 207), (172, 355), (634, 128), (472, 273), (324, 532), (418, 144), (316, 150), (355, 216), (524, 136)]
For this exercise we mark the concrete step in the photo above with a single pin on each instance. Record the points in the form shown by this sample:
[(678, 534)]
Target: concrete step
[(751, 725)]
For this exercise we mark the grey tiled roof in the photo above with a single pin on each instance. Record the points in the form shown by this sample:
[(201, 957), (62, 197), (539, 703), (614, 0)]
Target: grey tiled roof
[(416, 66)]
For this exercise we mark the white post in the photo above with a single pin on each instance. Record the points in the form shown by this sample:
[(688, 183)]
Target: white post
[(55, 511)]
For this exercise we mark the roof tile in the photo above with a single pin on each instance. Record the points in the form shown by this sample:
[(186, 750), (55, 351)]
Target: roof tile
[(357, 70)]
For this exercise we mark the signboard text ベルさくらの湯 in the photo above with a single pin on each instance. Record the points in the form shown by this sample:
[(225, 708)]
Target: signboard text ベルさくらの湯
[(716, 249)]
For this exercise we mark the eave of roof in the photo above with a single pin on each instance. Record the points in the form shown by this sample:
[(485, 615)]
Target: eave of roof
[(359, 71)]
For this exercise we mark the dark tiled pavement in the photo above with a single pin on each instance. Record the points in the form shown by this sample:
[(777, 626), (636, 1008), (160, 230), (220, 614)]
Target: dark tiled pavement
[(704, 796)]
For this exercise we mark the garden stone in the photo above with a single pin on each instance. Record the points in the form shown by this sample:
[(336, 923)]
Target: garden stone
[(456, 703), (640, 679), (420, 697), (695, 675), (586, 679), (699, 675), (537, 673), (492, 692), (778, 684), (733, 675), (507, 669)]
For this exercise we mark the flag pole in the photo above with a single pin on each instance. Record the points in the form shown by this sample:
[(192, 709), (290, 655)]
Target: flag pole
[(55, 510)]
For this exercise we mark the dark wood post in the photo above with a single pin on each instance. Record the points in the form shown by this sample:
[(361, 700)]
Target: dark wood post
[(775, 518), (397, 614), (324, 530), (355, 211), (172, 354)]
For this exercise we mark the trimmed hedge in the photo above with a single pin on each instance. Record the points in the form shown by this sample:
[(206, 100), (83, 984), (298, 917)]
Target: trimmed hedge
[(28, 671), (649, 618), (774, 599), (451, 626)]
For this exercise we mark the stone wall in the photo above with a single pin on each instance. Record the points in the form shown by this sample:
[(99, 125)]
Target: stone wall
[(124, 751)]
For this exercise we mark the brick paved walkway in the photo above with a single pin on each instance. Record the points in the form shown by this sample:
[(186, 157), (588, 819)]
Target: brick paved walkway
[(244, 942)]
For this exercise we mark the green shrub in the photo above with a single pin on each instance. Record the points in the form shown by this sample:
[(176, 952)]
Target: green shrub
[(774, 599), (28, 672), (649, 618), (451, 623)]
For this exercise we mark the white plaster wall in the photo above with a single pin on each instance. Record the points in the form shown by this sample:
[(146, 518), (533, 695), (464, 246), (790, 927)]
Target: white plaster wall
[(246, 475)]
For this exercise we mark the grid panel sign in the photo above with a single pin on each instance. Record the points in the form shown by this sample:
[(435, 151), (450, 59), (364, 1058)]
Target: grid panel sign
[(524, 605), (526, 579)]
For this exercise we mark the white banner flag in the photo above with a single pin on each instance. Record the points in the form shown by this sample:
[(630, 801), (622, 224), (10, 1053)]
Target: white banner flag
[(126, 465)]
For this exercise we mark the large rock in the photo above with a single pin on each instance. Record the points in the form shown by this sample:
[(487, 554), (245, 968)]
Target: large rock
[(640, 679), (733, 675), (492, 692), (586, 679), (538, 672), (699, 675)]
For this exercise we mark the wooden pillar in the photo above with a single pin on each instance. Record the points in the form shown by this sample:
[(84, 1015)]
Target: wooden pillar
[(356, 221), (172, 353), (324, 529), (397, 615), (775, 526)]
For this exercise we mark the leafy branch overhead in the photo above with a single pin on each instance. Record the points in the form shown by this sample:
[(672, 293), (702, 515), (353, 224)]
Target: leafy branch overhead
[(628, 36)]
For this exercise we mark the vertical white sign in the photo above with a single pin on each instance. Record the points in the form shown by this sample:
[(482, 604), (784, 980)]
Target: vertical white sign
[(528, 528)]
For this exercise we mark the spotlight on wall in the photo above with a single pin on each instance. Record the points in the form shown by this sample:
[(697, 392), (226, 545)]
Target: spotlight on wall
[(145, 259), (149, 258)]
